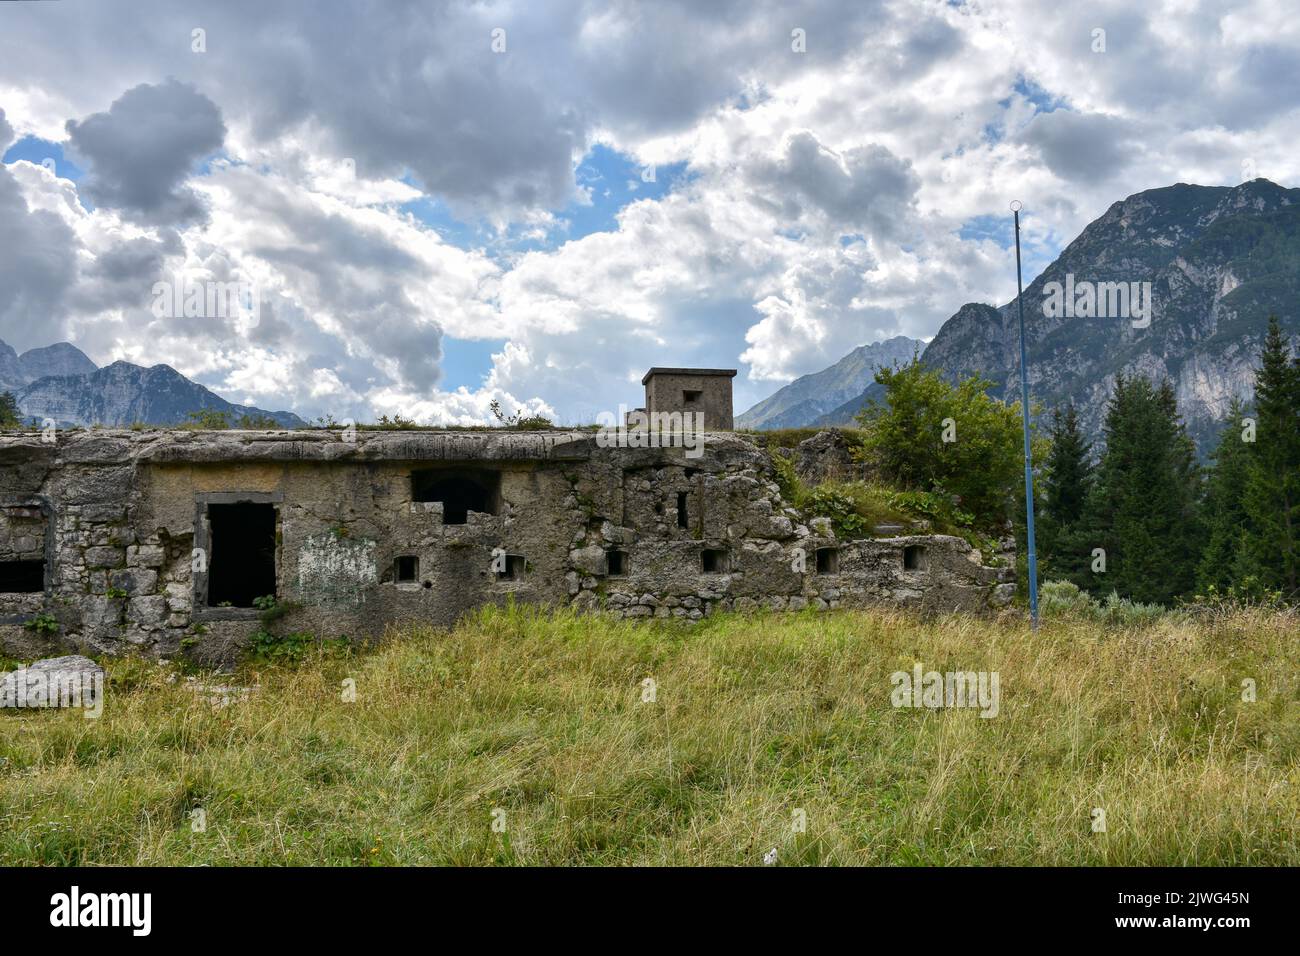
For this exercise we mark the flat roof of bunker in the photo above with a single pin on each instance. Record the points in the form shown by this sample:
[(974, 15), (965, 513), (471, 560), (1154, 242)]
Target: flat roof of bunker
[(728, 372)]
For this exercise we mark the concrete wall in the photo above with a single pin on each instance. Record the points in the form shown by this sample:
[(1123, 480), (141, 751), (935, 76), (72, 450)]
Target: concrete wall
[(664, 392), (119, 515)]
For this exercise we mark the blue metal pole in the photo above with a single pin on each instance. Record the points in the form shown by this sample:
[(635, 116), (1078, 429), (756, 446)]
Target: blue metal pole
[(1029, 458)]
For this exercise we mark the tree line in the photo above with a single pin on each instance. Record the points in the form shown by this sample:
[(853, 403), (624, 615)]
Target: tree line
[(1145, 520), (1140, 515)]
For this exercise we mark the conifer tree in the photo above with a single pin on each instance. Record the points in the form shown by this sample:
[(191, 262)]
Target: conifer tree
[(1273, 485), (9, 417), (1143, 510), (1225, 564), (1067, 482)]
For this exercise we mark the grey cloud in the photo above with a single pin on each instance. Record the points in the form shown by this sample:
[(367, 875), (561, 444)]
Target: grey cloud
[(415, 87), (867, 189), (36, 270), (123, 275), (1083, 147), (6, 132), (271, 329), (142, 150), (337, 260)]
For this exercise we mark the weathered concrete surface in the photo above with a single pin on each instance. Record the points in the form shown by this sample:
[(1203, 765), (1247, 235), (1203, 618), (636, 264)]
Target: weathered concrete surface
[(667, 391), (121, 521)]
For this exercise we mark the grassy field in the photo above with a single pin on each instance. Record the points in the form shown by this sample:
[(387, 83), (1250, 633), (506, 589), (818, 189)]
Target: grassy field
[(537, 721)]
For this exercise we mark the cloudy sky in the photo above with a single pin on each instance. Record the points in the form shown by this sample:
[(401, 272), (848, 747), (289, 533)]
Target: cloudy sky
[(439, 204)]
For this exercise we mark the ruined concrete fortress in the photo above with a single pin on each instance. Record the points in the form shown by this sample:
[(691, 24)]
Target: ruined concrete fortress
[(165, 541)]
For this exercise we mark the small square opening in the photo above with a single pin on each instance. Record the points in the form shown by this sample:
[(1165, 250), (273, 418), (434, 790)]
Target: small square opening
[(512, 568), (22, 577), (828, 561), (691, 395), (914, 558), (715, 561), (616, 563), (407, 570)]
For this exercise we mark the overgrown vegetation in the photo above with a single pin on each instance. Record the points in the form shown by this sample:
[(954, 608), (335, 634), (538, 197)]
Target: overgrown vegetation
[(266, 646), (519, 421), (948, 457), (542, 719), (208, 419), (949, 440)]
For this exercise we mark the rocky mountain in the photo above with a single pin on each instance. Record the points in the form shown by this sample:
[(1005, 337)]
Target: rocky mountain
[(1219, 260), (809, 397), (58, 359), (61, 383)]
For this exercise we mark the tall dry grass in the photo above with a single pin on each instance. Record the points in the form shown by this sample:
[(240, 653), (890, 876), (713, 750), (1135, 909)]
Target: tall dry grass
[(539, 717)]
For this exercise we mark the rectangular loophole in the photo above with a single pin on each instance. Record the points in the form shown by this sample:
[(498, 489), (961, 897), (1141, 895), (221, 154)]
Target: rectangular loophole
[(241, 553), (616, 563), (407, 570), (460, 491), (715, 561), (828, 561), (512, 568), (690, 396), (914, 558), (22, 577), (683, 518)]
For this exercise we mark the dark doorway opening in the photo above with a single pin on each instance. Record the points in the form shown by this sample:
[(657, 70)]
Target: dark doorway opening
[(460, 492), (19, 577), (241, 553)]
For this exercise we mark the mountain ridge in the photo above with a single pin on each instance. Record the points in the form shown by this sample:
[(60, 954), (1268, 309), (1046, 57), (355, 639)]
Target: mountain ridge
[(60, 382), (816, 393), (1219, 260)]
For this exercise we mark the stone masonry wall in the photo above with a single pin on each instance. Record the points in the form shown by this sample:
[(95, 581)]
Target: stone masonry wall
[(121, 520)]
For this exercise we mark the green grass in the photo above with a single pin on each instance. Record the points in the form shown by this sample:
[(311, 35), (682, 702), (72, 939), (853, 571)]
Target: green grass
[(540, 716)]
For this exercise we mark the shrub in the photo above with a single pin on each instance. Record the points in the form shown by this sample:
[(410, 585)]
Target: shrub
[(830, 501), (43, 624), (207, 419), (1063, 598), (265, 647), (519, 421), (904, 439), (252, 422)]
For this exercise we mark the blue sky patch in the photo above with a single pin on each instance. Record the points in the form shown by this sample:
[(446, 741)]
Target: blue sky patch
[(466, 362), (612, 179), (999, 229), (36, 150)]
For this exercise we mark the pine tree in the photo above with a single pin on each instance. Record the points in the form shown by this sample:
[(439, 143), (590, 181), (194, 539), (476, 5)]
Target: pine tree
[(1188, 527), (9, 417), (1272, 496), (1225, 561), (1067, 482), (1143, 510)]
